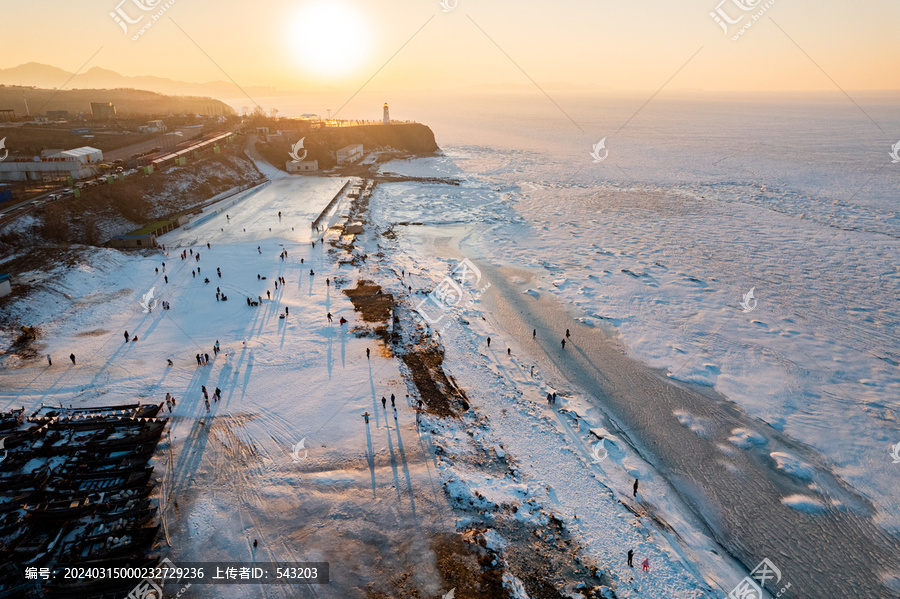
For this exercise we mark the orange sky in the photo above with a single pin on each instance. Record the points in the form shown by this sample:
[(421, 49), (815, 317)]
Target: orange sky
[(636, 45)]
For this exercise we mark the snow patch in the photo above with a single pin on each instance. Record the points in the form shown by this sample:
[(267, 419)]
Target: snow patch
[(702, 427), (804, 503), (745, 438), (793, 466)]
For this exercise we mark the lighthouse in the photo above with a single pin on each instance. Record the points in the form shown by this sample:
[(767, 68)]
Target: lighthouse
[(387, 115)]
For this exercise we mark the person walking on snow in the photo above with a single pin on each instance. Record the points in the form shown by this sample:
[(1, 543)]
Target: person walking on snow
[(206, 401), (206, 356), (395, 413), (329, 317), (367, 353), (268, 294), (217, 346), (392, 400), (49, 360), (567, 334), (549, 398), (126, 336), (366, 416), (508, 351), (489, 341), (203, 389), (563, 344), (533, 333), (646, 564), (634, 494), (630, 558), (199, 362), (218, 393), (383, 402), (72, 357)]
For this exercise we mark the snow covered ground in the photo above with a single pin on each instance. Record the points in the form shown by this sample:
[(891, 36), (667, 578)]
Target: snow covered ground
[(665, 271), (660, 269), (362, 496)]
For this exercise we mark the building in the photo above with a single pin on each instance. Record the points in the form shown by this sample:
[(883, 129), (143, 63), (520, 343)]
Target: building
[(265, 135), (133, 241), (58, 114), (387, 115), (350, 154), (153, 127), (304, 166), (80, 163), (5, 286), (103, 110)]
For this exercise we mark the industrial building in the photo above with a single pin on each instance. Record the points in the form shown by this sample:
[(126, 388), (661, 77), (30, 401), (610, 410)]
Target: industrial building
[(153, 127), (103, 110), (80, 163), (304, 166), (350, 154), (133, 241)]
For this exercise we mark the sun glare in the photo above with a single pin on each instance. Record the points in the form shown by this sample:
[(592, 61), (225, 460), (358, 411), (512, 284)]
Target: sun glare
[(328, 38)]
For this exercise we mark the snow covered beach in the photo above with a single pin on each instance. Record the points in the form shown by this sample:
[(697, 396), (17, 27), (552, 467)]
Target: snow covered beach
[(363, 495)]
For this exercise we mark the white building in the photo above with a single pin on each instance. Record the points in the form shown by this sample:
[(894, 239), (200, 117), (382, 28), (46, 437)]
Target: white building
[(387, 115), (350, 154), (153, 127), (304, 166), (80, 163)]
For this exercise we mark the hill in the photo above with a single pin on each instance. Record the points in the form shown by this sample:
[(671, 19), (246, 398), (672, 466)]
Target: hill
[(45, 76), (128, 102)]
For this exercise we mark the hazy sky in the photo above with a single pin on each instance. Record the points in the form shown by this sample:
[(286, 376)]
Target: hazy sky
[(597, 44)]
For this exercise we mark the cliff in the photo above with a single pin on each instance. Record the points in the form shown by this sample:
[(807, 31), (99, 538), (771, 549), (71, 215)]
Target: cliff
[(410, 137), (322, 144)]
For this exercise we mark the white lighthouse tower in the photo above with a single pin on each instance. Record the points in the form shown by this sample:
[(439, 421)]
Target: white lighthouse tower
[(387, 115)]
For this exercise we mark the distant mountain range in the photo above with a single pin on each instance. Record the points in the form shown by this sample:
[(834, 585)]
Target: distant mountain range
[(50, 77)]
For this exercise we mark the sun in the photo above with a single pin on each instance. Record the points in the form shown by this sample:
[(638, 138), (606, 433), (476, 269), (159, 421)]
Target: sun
[(329, 38)]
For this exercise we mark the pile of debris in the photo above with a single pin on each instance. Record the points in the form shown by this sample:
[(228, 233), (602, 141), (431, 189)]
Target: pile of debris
[(75, 492)]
